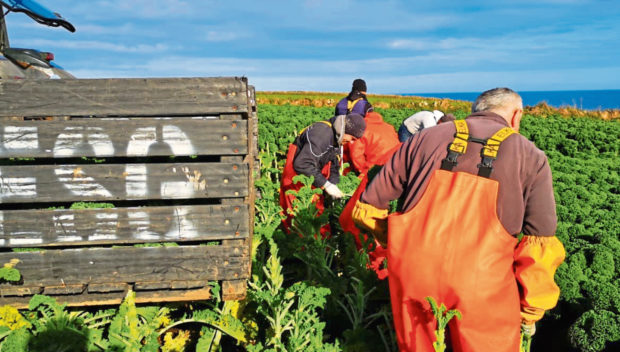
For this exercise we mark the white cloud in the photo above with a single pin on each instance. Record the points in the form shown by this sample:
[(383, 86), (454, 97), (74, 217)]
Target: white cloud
[(94, 29), (478, 81), (103, 72), (519, 46), (217, 36), (448, 82), (97, 45), (317, 75), (429, 44), (150, 8), (561, 2)]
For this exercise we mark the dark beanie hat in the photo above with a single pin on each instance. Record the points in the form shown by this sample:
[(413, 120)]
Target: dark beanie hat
[(355, 125), (359, 85)]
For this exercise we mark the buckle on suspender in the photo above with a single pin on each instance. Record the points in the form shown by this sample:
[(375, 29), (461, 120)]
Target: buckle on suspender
[(458, 145), (485, 167), (450, 161), (490, 149)]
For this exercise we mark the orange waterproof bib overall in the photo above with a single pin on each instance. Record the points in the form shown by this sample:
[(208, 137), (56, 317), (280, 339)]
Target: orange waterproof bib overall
[(377, 256), (286, 200), (452, 246)]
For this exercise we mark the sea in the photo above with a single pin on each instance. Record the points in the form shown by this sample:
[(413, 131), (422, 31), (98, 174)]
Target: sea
[(581, 99)]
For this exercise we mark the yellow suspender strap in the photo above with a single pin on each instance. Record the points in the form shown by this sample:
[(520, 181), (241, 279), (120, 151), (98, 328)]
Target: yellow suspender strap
[(492, 146), (490, 149), (351, 104), (459, 144), (325, 122)]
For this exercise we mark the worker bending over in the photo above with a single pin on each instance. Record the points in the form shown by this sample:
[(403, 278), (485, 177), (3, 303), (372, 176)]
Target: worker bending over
[(469, 188), (315, 152), (421, 120), (375, 147)]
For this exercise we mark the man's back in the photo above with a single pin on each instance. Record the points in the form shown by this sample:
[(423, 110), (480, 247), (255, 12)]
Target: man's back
[(455, 237), (520, 168)]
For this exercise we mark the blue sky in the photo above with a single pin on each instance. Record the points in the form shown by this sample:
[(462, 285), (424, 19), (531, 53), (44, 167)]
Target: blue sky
[(322, 45)]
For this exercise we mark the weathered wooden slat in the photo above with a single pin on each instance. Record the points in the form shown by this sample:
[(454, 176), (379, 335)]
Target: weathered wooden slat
[(151, 285), (108, 287), (64, 290), (114, 298), (109, 182), (184, 285), (95, 137), (130, 96), (69, 267), (14, 290), (81, 227)]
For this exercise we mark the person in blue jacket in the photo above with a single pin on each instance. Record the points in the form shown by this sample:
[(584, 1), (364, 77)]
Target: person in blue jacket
[(356, 101)]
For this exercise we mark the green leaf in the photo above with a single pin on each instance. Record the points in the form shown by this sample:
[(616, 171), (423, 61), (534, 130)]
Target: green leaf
[(17, 341)]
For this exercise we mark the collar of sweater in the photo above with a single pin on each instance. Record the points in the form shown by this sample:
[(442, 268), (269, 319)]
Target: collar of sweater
[(488, 115)]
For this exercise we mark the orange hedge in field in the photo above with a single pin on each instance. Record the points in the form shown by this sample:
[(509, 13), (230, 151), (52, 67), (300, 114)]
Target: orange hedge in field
[(317, 99)]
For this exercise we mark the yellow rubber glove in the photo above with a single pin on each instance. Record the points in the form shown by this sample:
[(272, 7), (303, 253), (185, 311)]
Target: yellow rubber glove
[(536, 260), (372, 220)]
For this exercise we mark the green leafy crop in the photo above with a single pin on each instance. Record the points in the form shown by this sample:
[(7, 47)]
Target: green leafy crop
[(583, 155)]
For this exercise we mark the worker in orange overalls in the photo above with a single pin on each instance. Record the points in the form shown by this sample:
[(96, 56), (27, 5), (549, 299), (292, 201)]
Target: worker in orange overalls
[(375, 147), (315, 152), (469, 188)]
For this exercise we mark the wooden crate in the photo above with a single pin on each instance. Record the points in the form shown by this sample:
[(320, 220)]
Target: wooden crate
[(172, 156)]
